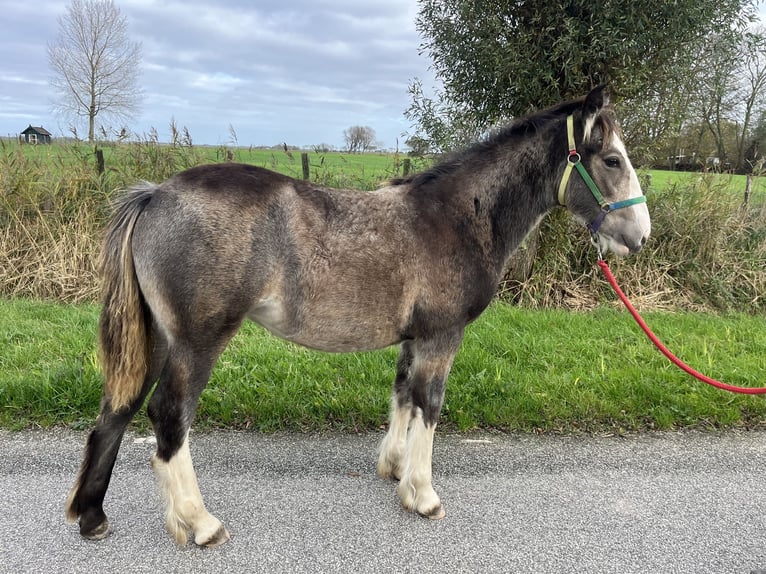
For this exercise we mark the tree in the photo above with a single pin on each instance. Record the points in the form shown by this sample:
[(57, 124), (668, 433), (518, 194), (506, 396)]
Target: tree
[(716, 90), (756, 153), (497, 59), (419, 146), (359, 138), (728, 92), (95, 65), (753, 90)]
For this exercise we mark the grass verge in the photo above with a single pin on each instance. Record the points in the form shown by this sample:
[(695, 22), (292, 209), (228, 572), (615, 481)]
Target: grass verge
[(518, 370)]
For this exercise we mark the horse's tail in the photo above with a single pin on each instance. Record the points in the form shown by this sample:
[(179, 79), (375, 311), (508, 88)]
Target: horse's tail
[(125, 338)]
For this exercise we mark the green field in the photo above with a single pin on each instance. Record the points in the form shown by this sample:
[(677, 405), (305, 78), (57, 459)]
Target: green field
[(518, 370), (735, 183), (361, 171), (156, 162), (335, 168)]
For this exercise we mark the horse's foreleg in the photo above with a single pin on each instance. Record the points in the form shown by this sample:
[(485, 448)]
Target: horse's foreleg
[(415, 489), (428, 375), (393, 446)]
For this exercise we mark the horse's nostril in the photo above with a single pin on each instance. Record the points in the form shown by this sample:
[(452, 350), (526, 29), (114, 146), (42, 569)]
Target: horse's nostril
[(643, 241)]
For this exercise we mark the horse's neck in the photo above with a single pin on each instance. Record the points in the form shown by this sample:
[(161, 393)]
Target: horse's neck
[(519, 191)]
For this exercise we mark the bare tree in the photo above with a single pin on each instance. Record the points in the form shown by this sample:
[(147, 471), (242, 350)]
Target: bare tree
[(754, 89), (359, 138), (730, 93), (95, 65), (717, 89)]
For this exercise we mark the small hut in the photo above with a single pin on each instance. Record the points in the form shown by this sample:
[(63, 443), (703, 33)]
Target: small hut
[(35, 135)]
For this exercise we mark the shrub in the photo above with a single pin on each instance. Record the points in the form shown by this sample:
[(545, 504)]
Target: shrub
[(707, 251)]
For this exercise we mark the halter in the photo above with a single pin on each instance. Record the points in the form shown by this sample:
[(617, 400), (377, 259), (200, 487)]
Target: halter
[(574, 161)]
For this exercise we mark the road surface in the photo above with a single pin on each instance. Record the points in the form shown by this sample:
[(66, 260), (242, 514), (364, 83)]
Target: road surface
[(670, 502)]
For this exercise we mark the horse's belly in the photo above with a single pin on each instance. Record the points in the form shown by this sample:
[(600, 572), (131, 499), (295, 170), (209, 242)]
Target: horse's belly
[(354, 330)]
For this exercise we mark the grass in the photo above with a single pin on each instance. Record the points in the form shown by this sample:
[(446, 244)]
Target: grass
[(733, 183), (518, 370), (335, 169), (125, 163), (532, 368)]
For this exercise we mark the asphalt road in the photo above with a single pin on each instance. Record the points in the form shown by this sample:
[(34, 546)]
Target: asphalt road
[(659, 503)]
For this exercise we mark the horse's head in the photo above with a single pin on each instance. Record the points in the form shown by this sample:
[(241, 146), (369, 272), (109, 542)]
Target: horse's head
[(604, 193)]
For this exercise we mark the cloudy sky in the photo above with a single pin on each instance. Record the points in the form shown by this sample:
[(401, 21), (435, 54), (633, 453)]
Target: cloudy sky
[(295, 71)]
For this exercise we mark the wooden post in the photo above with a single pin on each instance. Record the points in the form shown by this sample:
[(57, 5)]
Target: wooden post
[(305, 163), (406, 167), (748, 189), (100, 161)]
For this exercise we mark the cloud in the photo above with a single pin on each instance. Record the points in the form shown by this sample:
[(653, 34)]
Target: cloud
[(216, 82), (6, 79), (295, 70)]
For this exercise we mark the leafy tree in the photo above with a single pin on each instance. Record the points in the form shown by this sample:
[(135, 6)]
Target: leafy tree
[(500, 58), (95, 65), (719, 92), (419, 146), (726, 91)]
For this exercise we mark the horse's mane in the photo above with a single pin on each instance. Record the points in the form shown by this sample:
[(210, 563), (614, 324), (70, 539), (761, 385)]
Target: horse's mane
[(518, 128)]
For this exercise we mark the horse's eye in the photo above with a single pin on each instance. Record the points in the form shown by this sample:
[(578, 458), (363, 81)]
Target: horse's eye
[(612, 162)]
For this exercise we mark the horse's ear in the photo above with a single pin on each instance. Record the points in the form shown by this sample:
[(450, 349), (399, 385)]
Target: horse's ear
[(595, 102)]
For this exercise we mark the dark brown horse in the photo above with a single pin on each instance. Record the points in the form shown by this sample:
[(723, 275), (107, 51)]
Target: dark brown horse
[(186, 261)]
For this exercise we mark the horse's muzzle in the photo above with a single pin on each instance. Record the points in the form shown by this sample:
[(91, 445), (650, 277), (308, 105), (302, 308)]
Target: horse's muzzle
[(636, 247)]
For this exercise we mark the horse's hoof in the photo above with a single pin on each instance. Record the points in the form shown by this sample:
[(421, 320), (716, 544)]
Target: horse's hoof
[(435, 514), (221, 536), (100, 532)]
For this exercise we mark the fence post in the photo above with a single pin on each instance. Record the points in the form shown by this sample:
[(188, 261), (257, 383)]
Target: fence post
[(406, 167), (100, 161), (748, 189), (305, 163)]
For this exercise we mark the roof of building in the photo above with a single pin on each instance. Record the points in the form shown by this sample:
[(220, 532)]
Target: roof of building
[(39, 130)]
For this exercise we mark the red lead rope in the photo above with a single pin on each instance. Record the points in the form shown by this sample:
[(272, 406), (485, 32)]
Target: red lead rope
[(675, 360)]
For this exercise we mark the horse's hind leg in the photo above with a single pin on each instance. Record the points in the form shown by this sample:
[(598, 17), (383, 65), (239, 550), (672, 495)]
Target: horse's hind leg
[(171, 410), (431, 363), (86, 497), (185, 509)]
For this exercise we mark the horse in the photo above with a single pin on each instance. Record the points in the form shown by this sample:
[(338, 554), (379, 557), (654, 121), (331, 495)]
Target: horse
[(185, 262)]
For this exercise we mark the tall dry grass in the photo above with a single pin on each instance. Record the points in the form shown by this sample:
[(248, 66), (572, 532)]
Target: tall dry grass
[(54, 203), (49, 216), (707, 251)]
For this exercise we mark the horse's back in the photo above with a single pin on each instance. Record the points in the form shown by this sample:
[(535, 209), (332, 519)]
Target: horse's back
[(228, 241), (337, 270)]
